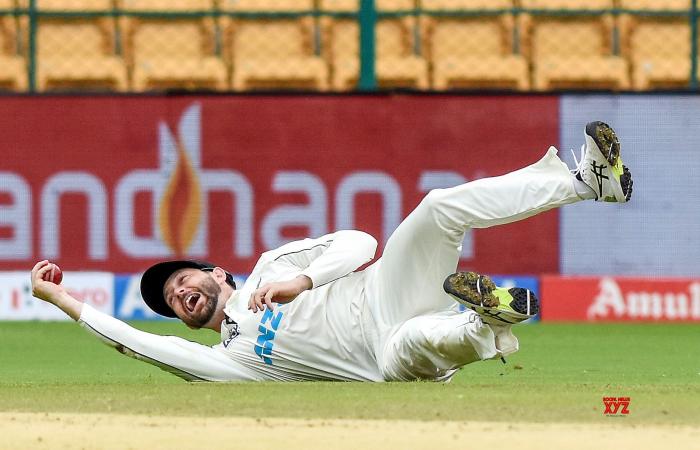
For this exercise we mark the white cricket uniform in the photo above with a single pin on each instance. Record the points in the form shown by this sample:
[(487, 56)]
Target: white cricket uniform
[(390, 321)]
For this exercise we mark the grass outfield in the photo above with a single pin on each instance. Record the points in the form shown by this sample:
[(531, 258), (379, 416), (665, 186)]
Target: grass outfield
[(560, 375)]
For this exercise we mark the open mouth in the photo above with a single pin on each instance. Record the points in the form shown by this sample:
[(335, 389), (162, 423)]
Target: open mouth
[(191, 301)]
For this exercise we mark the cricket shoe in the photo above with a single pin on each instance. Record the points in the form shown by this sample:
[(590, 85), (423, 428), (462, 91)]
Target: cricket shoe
[(601, 166), (495, 305)]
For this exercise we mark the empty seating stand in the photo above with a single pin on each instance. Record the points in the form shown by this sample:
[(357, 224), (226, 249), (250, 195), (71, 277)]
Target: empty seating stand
[(273, 51), (658, 47), (78, 52), (13, 71), (397, 62), (173, 52), (572, 51), (243, 45), (473, 51)]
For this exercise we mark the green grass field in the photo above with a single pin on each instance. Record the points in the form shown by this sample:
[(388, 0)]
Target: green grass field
[(560, 375)]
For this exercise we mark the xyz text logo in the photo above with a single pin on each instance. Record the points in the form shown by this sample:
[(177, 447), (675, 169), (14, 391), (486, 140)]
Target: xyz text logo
[(616, 406)]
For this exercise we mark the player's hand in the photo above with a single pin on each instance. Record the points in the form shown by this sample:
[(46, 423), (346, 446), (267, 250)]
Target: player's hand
[(42, 289), (278, 292)]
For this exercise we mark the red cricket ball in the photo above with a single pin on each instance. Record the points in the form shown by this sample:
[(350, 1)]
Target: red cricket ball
[(55, 275)]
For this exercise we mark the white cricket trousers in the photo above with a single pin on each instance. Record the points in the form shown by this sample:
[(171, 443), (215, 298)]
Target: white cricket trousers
[(420, 332)]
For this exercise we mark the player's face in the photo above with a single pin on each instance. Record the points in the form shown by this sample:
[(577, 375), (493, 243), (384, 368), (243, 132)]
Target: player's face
[(192, 294)]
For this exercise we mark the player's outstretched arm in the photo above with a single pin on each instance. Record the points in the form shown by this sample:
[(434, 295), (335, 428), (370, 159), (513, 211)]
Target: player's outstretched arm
[(53, 293), (188, 360)]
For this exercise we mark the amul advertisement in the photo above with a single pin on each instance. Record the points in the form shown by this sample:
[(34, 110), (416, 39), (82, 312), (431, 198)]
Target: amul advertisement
[(616, 299)]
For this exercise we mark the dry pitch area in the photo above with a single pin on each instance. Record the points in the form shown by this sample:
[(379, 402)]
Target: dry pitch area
[(61, 389), (118, 432)]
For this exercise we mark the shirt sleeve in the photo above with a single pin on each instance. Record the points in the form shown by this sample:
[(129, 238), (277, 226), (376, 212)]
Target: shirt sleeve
[(329, 257), (189, 360)]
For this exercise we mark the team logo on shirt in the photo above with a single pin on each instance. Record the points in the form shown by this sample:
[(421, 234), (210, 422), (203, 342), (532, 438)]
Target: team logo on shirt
[(232, 330), (267, 328)]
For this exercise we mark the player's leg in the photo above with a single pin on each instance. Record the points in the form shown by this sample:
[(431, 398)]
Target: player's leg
[(434, 346), (425, 248), (408, 280)]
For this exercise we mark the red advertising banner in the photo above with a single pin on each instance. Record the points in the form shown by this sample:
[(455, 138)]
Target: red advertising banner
[(620, 299), (117, 183)]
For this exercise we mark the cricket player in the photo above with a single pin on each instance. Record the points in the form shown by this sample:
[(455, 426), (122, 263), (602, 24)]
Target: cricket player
[(306, 313)]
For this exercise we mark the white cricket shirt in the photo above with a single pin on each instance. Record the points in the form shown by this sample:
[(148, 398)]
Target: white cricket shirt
[(321, 335)]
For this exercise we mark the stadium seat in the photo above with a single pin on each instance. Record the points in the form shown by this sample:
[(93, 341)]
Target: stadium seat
[(473, 52), (78, 52), (273, 52), (13, 70), (658, 47), (396, 62), (172, 52), (572, 51)]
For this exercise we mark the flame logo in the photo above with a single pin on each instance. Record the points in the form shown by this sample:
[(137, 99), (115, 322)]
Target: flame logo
[(181, 205)]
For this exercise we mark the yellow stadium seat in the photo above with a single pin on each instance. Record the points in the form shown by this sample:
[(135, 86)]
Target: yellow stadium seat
[(396, 63), (273, 52), (172, 52), (658, 48), (78, 52), (13, 70), (473, 52), (575, 51)]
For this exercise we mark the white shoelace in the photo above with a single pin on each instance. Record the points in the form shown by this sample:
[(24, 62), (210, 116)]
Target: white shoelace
[(527, 311), (579, 163)]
